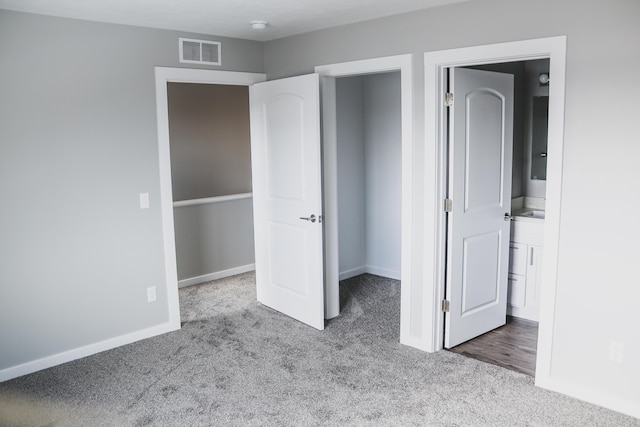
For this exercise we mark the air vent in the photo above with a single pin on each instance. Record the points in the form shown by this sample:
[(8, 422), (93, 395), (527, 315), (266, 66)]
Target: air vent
[(200, 52)]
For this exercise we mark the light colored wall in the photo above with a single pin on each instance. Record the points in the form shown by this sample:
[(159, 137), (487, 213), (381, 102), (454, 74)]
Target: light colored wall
[(214, 238), (369, 174), (79, 143), (351, 176), (382, 130), (597, 293)]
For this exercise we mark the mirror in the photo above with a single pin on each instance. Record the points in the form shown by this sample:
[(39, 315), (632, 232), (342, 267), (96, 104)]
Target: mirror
[(539, 133)]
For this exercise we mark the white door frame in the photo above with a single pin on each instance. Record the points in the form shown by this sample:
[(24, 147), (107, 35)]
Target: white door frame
[(402, 63), (164, 75), (435, 64)]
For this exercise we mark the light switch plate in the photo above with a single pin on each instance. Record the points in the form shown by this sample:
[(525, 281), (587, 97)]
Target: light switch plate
[(616, 351), (151, 294), (144, 200)]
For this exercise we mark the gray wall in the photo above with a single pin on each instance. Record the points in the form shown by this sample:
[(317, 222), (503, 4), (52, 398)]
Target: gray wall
[(383, 165), (369, 174), (351, 175), (210, 156), (597, 293), (213, 238), (210, 140), (79, 143)]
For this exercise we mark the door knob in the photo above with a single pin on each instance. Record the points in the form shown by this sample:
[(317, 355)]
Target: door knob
[(508, 217), (311, 218)]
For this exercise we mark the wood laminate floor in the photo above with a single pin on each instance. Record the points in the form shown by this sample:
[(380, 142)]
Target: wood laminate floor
[(512, 346)]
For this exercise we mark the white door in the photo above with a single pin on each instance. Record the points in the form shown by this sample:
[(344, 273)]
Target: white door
[(287, 196), (481, 139)]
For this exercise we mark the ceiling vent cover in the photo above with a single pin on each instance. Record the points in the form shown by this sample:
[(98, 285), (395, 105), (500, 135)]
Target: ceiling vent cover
[(200, 52)]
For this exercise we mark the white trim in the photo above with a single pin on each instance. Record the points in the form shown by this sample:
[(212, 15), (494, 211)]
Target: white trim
[(435, 63), (88, 350), (404, 64), (214, 77), (591, 395), (369, 269), (384, 272), (208, 200), (184, 75), (348, 274), (216, 275)]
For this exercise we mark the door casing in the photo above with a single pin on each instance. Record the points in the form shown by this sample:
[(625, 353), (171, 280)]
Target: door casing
[(435, 64), (402, 63), (164, 75)]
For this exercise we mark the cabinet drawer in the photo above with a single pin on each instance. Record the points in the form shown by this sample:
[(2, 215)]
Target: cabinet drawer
[(517, 258), (517, 290)]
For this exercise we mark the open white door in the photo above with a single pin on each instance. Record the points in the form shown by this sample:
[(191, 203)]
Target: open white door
[(480, 157), (287, 196)]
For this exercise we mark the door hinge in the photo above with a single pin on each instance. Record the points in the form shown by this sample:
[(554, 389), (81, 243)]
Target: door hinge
[(448, 99), (445, 305), (448, 205)]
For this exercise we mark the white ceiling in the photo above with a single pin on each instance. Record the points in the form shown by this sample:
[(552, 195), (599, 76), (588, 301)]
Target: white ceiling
[(225, 17)]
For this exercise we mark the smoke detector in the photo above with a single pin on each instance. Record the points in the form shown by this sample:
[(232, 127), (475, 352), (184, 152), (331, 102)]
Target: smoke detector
[(258, 25)]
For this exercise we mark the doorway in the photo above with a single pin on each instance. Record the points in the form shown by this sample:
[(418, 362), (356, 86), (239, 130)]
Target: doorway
[(436, 63), (163, 76), (400, 65), (369, 165), (211, 180), (369, 174), (513, 344)]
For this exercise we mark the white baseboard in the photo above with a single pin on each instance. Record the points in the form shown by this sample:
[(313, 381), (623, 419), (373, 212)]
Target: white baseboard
[(390, 274), (596, 397), (524, 313), (215, 276), (352, 273), (88, 350)]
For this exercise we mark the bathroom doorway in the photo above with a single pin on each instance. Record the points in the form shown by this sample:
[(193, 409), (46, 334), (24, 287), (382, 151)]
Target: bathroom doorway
[(436, 64), (514, 345)]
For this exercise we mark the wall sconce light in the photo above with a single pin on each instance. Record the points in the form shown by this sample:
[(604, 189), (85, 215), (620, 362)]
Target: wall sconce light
[(543, 78)]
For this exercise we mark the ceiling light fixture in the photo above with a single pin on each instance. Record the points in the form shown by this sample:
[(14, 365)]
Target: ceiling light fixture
[(258, 25)]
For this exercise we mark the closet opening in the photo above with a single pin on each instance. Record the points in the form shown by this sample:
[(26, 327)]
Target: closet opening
[(369, 193)]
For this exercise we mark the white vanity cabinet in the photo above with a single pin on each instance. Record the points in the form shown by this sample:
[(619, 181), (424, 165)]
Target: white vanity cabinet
[(525, 267)]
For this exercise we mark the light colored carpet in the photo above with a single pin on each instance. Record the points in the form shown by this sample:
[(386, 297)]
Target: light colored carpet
[(235, 362)]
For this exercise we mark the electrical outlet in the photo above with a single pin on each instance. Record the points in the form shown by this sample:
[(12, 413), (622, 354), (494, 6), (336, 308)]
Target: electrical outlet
[(144, 200), (151, 294), (616, 351)]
